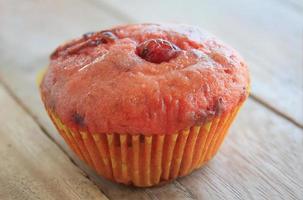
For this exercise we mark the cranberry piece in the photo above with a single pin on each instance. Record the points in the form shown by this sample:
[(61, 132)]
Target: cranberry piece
[(107, 36), (90, 39), (157, 50), (102, 37), (78, 119), (88, 34)]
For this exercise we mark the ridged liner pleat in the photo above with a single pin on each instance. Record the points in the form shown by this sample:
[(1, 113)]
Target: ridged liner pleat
[(144, 160)]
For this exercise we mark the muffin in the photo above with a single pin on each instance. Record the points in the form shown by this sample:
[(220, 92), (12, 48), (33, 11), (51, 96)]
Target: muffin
[(146, 103)]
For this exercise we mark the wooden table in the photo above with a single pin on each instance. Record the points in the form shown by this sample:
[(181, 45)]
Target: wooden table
[(262, 158)]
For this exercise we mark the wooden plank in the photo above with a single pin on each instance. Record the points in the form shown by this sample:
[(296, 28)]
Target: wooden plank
[(241, 177), (32, 166), (267, 33)]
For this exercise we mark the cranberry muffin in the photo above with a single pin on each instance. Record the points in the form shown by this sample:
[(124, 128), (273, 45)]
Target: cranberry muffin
[(144, 103)]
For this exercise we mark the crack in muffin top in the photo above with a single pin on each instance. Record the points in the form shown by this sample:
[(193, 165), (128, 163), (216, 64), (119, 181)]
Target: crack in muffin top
[(143, 79)]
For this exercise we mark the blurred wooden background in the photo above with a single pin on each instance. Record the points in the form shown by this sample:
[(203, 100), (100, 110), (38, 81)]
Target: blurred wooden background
[(262, 157)]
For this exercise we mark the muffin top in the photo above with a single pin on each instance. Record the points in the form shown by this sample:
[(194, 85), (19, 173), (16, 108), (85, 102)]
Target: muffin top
[(143, 79)]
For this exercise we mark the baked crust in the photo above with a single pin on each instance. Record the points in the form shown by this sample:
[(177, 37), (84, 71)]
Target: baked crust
[(105, 87)]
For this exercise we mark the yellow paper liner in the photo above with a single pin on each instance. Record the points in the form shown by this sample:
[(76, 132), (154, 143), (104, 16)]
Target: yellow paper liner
[(148, 160)]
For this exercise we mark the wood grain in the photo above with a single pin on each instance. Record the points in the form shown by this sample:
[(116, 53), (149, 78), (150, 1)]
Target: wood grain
[(267, 33), (261, 159), (32, 166)]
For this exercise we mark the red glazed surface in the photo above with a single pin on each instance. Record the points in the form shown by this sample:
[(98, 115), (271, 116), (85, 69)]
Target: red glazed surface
[(99, 83)]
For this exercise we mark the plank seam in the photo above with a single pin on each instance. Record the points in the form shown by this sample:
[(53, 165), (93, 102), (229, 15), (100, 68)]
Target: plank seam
[(275, 110), (151, 194), (182, 187)]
